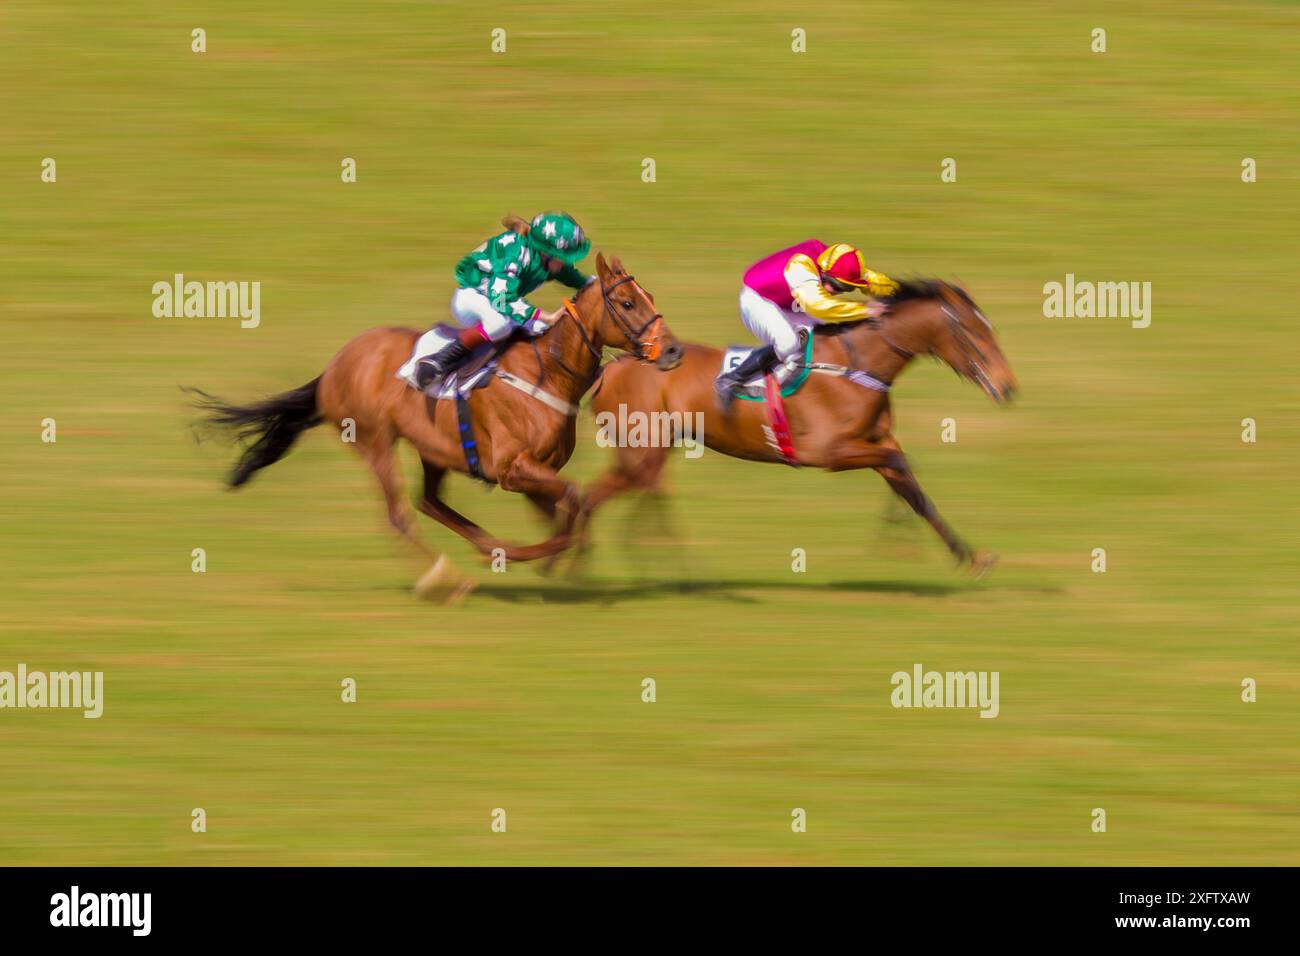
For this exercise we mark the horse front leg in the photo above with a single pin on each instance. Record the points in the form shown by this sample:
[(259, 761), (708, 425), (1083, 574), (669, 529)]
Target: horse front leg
[(542, 485), (888, 460), (607, 486), (487, 545), (635, 469)]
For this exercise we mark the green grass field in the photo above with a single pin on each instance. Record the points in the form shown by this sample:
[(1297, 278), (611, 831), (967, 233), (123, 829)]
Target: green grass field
[(1119, 690)]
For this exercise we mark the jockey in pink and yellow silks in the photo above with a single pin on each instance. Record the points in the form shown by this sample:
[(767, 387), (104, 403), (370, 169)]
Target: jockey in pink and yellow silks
[(795, 288)]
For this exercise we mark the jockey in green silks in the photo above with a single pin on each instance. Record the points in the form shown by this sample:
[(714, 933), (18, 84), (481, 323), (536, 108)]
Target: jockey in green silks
[(496, 276)]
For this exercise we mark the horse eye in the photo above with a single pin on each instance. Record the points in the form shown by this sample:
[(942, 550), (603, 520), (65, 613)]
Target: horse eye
[(627, 304)]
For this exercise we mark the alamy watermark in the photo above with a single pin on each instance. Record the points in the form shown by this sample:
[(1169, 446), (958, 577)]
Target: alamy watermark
[(83, 690), (1085, 299), (130, 910), (922, 688), (638, 429), (208, 300)]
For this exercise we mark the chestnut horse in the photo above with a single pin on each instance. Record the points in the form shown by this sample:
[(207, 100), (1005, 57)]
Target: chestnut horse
[(523, 439), (835, 422)]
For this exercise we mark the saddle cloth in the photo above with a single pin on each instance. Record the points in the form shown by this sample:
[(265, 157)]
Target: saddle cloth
[(790, 374)]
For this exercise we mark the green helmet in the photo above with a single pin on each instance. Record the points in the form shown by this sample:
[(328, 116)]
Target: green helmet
[(557, 234)]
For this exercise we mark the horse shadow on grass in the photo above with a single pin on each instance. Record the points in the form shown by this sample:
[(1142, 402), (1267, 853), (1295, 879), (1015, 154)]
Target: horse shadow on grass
[(652, 516), (739, 591)]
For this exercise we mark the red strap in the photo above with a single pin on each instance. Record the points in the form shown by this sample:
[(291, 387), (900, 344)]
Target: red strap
[(780, 424), (473, 336)]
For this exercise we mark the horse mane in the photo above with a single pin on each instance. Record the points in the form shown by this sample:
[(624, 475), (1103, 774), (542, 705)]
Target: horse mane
[(909, 290), (924, 289)]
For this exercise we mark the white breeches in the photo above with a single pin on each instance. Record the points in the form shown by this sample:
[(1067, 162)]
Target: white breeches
[(772, 324), (470, 307)]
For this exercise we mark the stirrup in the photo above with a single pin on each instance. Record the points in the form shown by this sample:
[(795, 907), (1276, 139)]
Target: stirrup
[(427, 373), (725, 388)]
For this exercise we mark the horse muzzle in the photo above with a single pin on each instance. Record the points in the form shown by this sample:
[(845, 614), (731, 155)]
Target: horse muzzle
[(670, 356)]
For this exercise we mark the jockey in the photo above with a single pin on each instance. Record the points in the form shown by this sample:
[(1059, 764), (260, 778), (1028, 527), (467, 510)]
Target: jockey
[(795, 288), (495, 277)]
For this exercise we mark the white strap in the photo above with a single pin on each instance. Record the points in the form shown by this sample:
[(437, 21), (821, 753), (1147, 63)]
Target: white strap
[(852, 374), (546, 398)]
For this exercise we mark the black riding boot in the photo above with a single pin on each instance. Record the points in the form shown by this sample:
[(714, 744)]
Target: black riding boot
[(727, 384), (436, 366)]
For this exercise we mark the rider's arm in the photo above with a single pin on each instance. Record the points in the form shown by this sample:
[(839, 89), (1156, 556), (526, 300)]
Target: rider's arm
[(806, 287), (881, 284), (572, 276)]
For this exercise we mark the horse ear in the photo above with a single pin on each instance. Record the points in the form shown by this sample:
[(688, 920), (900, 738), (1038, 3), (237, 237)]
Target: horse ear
[(602, 267), (617, 265)]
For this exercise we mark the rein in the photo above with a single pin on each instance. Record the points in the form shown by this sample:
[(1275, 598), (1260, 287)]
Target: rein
[(971, 352), (647, 348), (571, 312), (967, 347)]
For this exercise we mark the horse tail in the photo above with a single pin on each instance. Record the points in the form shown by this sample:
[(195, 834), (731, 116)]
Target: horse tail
[(267, 428)]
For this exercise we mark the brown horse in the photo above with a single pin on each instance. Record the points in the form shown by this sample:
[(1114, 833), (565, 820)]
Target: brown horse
[(835, 422), (523, 439)]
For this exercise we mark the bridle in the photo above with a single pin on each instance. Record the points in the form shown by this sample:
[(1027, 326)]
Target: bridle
[(970, 351), (647, 348)]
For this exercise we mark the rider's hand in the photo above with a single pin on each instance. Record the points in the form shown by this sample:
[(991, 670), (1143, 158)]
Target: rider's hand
[(876, 308), (548, 318)]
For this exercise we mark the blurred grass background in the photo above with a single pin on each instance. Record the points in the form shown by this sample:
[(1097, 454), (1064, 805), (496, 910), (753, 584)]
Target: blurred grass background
[(1118, 690)]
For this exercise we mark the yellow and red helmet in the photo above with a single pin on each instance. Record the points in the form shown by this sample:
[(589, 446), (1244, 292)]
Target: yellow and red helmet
[(844, 264)]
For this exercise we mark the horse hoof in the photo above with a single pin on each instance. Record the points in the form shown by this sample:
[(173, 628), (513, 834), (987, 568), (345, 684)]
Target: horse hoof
[(443, 584), (981, 563)]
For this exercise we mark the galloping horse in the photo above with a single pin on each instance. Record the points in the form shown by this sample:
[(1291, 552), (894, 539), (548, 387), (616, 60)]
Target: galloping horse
[(524, 434), (835, 422)]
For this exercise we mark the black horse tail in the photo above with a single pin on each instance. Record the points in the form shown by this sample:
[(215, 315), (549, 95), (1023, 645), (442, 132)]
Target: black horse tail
[(267, 428)]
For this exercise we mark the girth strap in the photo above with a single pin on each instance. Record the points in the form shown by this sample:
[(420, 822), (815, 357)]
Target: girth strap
[(465, 424)]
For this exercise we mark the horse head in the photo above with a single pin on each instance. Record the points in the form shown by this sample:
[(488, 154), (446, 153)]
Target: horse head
[(941, 319), (616, 311)]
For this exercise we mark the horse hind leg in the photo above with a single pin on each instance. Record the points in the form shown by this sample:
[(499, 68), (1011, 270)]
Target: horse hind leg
[(380, 452), (442, 583)]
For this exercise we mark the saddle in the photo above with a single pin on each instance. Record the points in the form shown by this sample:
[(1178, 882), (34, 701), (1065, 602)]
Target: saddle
[(789, 375), (474, 373)]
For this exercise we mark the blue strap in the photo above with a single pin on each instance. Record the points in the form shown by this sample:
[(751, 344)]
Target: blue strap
[(465, 423)]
